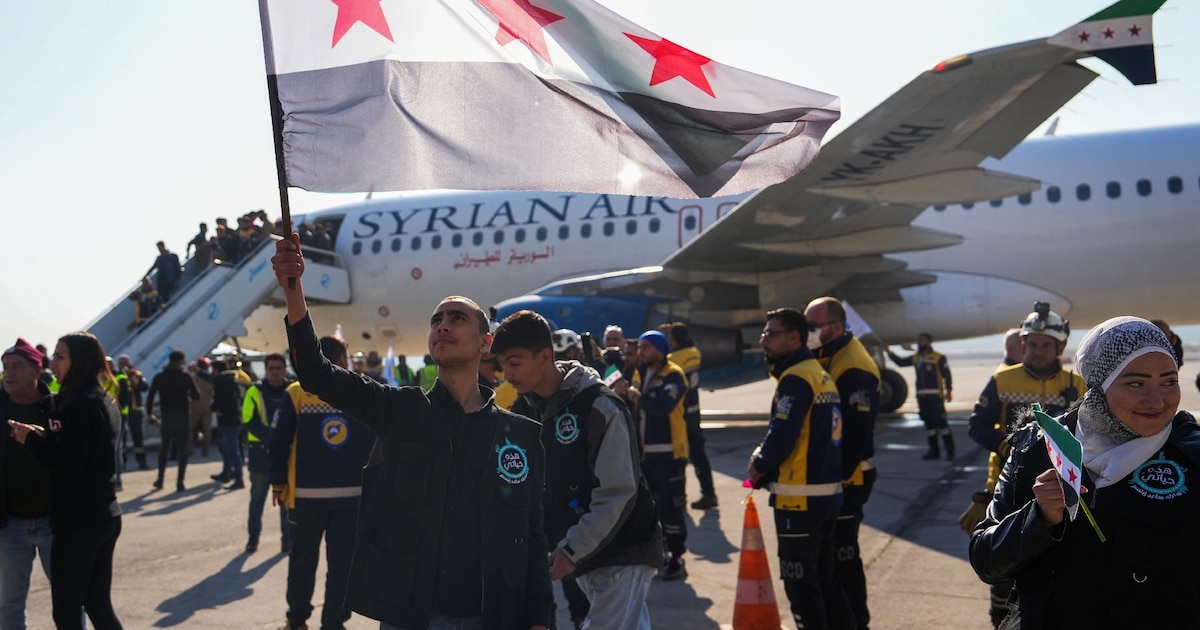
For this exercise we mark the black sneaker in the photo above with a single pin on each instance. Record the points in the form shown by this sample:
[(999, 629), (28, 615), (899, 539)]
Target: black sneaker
[(220, 478), (237, 485), (179, 487), (158, 484), (705, 502), (675, 570), (252, 544)]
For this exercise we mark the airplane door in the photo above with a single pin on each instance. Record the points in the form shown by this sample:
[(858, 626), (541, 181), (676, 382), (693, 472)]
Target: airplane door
[(691, 222)]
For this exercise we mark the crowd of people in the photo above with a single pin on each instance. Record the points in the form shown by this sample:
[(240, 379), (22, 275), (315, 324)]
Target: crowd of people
[(228, 244), (519, 456)]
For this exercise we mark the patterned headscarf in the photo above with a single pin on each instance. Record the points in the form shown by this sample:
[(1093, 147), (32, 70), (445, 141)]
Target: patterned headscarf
[(1110, 448)]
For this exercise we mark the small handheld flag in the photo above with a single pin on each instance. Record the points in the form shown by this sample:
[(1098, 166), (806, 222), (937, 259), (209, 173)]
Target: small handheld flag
[(1066, 455)]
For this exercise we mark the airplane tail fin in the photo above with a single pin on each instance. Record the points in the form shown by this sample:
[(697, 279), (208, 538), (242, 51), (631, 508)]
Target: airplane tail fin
[(1121, 35)]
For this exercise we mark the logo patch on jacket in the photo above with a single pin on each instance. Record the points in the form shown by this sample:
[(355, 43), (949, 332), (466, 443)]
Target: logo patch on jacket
[(1159, 478), (335, 431), (783, 407), (566, 427), (512, 463), (55, 425)]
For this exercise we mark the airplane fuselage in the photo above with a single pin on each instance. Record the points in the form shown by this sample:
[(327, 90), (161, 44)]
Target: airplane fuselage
[(1127, 244)]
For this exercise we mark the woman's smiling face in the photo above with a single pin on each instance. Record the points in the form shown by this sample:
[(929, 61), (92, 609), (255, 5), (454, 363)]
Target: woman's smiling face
[(1146, 395)]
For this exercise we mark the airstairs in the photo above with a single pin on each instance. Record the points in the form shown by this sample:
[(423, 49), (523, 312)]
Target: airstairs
[(209, 306)]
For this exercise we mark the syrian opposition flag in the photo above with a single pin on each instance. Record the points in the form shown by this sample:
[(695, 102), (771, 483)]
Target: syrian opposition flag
[(1121, 35), (1066, 455), (558, 95)]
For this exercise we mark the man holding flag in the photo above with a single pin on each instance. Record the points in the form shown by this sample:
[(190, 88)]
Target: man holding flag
[(1126, 452)]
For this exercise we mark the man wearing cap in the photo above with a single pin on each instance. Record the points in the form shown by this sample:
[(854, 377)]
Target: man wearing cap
[(25, 488), (661, 408), (1039, 378)]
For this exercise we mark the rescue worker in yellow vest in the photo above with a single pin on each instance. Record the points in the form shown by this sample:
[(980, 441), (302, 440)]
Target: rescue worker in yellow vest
[(661, 407), (118, 388), (259, 404), (686, 355), (1039, 378), (856, 377), (800, 461), (933, 392), (427, 375)]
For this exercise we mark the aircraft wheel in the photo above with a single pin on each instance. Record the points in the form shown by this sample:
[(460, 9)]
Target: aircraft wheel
[(893, 391)]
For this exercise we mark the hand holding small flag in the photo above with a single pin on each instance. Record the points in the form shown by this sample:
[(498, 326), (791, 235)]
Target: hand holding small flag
[(1066, 455)]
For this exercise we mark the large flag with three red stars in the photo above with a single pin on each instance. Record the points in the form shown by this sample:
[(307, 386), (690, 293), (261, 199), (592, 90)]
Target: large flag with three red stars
[(561, 95)]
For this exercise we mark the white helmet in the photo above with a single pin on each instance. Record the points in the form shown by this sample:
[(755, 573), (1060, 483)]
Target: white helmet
[(1044, 321), (564, 339)]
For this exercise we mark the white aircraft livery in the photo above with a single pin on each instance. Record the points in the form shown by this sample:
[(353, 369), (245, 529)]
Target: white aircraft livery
[(924, 215)]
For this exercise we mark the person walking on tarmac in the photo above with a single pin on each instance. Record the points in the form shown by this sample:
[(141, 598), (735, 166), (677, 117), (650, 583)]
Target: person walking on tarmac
[(178, 390), (856, 376), (1039, 378), (800, 461), (600, 516), (933, 392), (258, 409)]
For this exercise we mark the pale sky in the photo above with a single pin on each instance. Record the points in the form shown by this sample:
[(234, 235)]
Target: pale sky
[(127, 122)]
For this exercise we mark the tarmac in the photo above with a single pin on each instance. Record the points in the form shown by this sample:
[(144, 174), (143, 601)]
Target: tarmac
[(180, 562)]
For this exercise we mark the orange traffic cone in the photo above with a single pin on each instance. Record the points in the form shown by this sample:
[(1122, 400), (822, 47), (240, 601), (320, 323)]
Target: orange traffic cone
[(755, 607)]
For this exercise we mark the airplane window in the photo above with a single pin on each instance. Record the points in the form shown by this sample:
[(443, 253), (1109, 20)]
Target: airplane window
[(996, 203), (655, 225), (498, 237), (396, 244), (689, 222), (456, 240), (585, 230), (631, 226), (608, 228), (1083, 192), (477, 238), (1024, 199), (1053, 194), (416, 243), (356, 249), (1113, 190), (520, 235), (563, 232), (1175, 185), (541, 233), (1143, 187), (939, 208), (436, 241), (968, 205), (376, 245)]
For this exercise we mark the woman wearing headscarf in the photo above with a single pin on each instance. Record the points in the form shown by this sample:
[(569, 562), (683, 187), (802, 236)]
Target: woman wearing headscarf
[(1139, 455), (79, 446)]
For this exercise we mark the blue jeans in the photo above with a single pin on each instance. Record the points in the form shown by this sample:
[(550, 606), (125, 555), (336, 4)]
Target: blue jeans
[(618, 597), (231, 452), (260, 487), (20, 542)]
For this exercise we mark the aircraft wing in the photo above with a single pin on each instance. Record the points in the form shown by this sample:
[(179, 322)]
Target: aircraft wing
[(829, 229)]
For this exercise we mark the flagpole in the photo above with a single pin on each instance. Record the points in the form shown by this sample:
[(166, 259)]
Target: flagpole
[(276, 123)]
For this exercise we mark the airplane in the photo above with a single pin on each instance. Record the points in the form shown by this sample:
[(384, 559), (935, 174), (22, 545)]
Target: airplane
[(927, 214)]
